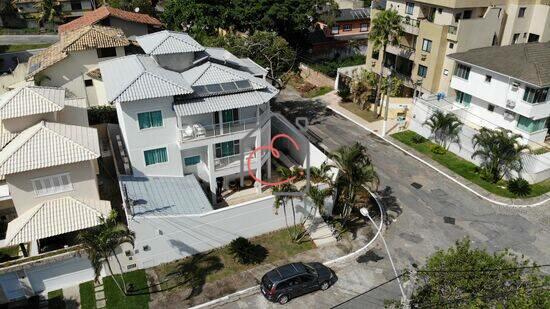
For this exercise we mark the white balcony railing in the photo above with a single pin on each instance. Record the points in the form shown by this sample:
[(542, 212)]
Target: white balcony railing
[(198, 131), (233, 161)]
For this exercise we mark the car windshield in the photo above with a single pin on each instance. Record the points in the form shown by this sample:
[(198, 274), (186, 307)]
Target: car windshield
[(267, 283), (310, 269)]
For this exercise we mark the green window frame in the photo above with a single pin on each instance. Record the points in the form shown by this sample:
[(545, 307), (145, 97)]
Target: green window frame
[(150, 120), (462, 71), (155, 156), (530, 125), (463, 98), (194, 160), (227, 149), (532, 95)]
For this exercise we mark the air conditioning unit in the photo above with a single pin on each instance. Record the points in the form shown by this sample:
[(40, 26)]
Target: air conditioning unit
[(515, 86), (510, 103), (508, 115)]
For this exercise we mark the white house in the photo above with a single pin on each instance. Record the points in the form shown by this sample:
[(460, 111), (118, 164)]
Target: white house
[(505, 87), (186, 109)]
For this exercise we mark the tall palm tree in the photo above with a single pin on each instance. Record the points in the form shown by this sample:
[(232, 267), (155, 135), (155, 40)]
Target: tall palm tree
[(386, 30), (100, 243), (317, 197), (283, 200), (445, 128), (354, 171), (499, 151)]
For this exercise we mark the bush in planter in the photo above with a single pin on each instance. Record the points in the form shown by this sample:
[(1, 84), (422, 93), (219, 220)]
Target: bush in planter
[(246, 252), (438, 150), (519, 187), (418, 139)]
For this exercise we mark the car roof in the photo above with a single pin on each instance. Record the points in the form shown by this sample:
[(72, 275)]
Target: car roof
[(286, 271)]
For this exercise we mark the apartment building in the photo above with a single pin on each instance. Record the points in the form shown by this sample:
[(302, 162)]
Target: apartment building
[(505, 87), (72, 62), (185, 109), (434, 29)]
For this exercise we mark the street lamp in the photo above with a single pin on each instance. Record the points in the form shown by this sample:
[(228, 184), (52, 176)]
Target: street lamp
[(365, 212)]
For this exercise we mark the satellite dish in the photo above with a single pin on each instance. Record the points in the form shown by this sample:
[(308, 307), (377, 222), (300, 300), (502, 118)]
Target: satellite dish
[(136, 10)]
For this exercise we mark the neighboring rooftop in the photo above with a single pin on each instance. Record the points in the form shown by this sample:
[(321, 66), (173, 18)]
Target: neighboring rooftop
[(48, 144), (31, 100), (93, 17), (353, 14), (55, 217), (529, 62), (168, 42), (165, 196), (139, 77), (89, 37)]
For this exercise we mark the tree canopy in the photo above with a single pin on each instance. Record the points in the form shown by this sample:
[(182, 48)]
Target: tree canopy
[(467, 277), (144, 6), (289, 18)]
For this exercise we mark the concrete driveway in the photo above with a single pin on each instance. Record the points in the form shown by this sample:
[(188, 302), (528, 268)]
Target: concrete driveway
[(434, 213)]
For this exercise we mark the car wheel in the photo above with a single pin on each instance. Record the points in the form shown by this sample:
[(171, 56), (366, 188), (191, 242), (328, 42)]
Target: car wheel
[(283, 299), (325, 285)]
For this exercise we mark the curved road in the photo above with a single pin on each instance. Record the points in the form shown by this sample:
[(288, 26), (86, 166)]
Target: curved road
[(433, 213)]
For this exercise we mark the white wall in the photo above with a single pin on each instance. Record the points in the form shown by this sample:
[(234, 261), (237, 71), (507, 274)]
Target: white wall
[(137, 141)]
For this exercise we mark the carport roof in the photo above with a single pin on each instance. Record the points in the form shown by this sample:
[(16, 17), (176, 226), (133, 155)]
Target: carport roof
[(165, 196)]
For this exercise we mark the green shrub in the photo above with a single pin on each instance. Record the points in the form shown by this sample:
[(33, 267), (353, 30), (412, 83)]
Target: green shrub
[(102, 114), (519, 187), (344, 93), (437, 149), (329, 66), (418, 139), (246, 252)]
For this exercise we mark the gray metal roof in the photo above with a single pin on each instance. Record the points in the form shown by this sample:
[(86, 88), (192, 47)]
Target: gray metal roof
[(138, 77), (528, 62), (253, 67), (168, 42), (210, 73), (166, 196), (353, 14), (210, 104)]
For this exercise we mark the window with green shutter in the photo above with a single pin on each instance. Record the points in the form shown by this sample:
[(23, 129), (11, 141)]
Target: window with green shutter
[(194, 160), (150, 120), (462, 71), (530, 125), (227, 149), (155, 156), (463, 98)]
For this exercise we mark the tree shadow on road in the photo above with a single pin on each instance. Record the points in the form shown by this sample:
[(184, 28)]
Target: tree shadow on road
[(370, 256), (390, 205), (313, 110)]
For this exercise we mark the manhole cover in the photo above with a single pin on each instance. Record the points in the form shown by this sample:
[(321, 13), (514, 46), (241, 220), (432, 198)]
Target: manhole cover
[(416, 185), (449, 220)]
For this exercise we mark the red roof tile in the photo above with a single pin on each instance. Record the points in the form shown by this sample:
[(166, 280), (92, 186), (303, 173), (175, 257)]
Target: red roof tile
[(90, 18)]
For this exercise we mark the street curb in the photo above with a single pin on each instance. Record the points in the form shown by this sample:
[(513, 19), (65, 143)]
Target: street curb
[(437, 169), (254, 289)]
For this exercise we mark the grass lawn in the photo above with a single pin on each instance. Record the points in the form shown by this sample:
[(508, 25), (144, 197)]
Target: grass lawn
[(219, 263), (20, 47), (87, 295), (115, 298), (55, 299), (465, 168), (317, 91), (368, 115)]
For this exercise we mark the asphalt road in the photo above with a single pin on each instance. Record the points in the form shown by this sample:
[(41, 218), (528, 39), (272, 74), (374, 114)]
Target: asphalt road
[(433, 213), (28, 39)]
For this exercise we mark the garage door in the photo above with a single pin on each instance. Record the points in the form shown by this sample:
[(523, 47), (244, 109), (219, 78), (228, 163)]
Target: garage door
[(11, 286), (60, 275)]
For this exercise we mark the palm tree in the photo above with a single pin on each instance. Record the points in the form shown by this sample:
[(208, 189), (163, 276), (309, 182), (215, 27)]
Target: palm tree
[(361, 86), (354, 171), (386, 29), (100, 242), (282, 200), (499, 151), (317, 197), (445, 128), (321, 173)]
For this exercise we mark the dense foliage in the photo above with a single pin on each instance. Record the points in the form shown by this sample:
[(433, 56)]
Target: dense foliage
[(329, 66), (519, 187), (245, 252), (445, 128), (289, 18), (144, 6), (467, 277), (102, 114)]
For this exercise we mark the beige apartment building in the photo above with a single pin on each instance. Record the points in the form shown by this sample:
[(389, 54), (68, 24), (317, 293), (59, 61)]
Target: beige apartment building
[(434, 29)]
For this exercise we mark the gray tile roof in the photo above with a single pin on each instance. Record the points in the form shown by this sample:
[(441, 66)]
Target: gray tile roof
[(528, 62), (210, 73), (166, 196), (31, 100), (353, 14), (138, 77), (210, 104), (168, 42), (49, 144)]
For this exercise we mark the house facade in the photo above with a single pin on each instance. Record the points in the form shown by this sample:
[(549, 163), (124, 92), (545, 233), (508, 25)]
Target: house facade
[(435, 29), (497, 93), (72, 62), (69, 9), (186, 109)]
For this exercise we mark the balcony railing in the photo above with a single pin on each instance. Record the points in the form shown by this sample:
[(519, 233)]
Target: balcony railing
[(411, 22), (452, 29), (198, 131), (233, 161)]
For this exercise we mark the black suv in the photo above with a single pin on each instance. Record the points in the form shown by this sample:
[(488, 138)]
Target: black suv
[(292, 280)]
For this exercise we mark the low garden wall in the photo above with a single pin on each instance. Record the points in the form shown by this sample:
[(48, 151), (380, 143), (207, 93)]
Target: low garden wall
[(316, 78)]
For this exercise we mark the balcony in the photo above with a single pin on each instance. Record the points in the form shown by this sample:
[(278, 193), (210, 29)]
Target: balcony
[(234, 160), (198, 131), (410, 25), (401, 50), (452, 33)]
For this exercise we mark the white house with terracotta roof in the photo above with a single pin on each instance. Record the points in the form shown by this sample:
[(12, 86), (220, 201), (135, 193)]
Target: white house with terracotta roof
[(186, 109), (72, 62), (130, 23)]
